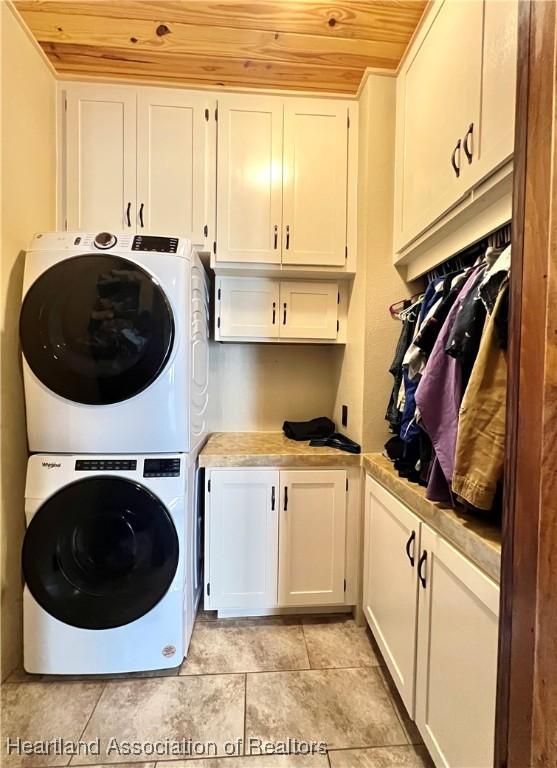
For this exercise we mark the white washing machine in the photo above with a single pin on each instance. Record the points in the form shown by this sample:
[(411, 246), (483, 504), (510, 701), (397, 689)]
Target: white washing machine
[(114, 332), (108, 562)]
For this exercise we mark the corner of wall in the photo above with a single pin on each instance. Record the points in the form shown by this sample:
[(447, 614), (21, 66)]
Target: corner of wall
[(28, 181)]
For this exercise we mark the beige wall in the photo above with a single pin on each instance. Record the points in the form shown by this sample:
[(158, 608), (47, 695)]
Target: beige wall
[(28, 196), (258, 386), (365, 382)]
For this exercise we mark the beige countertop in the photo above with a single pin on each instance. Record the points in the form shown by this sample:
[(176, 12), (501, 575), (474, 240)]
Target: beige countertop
[(476, 537), (269, 449)]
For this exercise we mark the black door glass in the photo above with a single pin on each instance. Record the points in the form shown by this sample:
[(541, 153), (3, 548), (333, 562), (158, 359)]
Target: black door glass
[(96, 329), (100, 553)]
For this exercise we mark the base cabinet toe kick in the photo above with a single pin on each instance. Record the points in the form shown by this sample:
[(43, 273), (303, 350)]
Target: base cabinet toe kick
[(280, 540), (435, 617)]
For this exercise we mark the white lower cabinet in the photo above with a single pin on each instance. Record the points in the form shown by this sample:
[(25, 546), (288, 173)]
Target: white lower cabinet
[(274, 539), (241, 539), (312, 532), (434, 615), (456, 670), (390, 590)]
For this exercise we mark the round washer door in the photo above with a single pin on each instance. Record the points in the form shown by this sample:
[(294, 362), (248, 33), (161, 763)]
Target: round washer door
[(96, 329), (100, 553)]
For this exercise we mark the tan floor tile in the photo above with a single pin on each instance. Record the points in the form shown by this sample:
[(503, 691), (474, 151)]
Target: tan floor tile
[(338, 642), (253, 761), (245, 645), (202, 709), (42, 712), (408, 725), (382, 757), (21, 676), (341, 707)]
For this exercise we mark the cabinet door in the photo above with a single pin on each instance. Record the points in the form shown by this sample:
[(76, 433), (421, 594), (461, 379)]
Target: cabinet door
[(315, 182), (171, 144), (247, 308), (249, 179), (437, 98), (457, 657), (312, 537), (100, 158), (492, 143), (390, 591), (242, 539), (308, 310)]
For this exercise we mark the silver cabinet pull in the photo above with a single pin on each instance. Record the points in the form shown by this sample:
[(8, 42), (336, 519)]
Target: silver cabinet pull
[(287, 236), (276, 237)]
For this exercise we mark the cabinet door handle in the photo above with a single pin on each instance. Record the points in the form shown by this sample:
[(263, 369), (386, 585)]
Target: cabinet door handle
[(455, 165), (411, 543), (141, 214), (276, 237), (285, 498), (128, 210), (422, 561), (287, 236), (273, 499), (467, 151), (284, 314), (274, 312)]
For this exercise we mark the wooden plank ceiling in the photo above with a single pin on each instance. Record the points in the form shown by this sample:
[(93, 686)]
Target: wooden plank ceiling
[(304, 45)]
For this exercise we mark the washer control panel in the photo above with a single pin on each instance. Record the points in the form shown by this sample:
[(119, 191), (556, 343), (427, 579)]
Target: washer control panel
[(161, 468), (105, 465)]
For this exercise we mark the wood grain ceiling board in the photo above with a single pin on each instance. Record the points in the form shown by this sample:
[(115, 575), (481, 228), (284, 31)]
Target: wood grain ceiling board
[(267, 44)]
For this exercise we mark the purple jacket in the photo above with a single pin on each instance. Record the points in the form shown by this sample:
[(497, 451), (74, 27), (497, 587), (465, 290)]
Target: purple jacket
[(438, 396)]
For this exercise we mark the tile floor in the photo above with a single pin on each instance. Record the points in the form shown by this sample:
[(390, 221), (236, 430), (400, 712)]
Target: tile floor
[(245, 681)]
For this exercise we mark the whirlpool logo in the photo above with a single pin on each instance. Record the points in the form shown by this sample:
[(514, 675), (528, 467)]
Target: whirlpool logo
[(51, 464)]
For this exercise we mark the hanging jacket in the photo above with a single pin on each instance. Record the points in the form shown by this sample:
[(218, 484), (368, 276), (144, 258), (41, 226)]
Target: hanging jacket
[(438, 398), (393, 414), (480, 444)]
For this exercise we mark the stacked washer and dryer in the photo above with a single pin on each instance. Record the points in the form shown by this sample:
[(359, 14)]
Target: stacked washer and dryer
[(114, 334)]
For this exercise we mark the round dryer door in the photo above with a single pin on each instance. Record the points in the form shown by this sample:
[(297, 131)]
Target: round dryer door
[(96, 329), (100, 553)]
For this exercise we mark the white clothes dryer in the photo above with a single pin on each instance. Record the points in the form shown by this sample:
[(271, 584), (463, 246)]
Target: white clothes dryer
[(107, 563), (114, 333)]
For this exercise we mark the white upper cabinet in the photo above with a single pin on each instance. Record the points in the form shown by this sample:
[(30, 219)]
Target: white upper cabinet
[(455, 109), (494, 142), (248, 308), (137, 160), (458, 630), (283, 181), (312, 537), (308, 310), (268, 309), (390, 589), (100, 158), (315, 178), (249, 179), (171, 151), (436, 101), (242, 539)]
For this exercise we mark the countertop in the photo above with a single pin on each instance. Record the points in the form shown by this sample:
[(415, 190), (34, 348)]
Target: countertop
[(479, 539), (269, 449)]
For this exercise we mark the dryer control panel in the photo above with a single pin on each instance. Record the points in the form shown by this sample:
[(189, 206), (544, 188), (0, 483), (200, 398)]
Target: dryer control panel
[(161, 468), (157, 244)]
